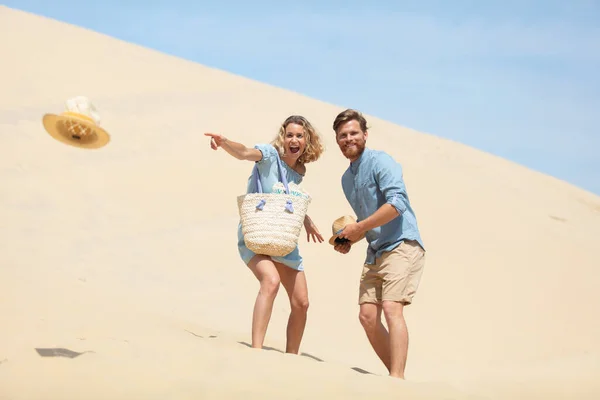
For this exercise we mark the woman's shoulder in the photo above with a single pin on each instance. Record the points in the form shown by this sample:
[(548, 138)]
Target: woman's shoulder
[(301, 169), (269, 152)]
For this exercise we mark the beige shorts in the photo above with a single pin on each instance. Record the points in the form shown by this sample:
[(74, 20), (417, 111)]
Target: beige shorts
[(395, 276)]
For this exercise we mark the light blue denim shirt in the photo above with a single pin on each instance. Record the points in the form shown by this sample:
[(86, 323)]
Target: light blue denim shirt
[(370, 182)]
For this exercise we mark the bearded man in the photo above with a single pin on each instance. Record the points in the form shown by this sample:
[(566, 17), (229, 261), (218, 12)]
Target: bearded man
[(373, 185)]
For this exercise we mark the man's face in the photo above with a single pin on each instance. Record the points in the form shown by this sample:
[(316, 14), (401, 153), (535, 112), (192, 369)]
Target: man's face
[(351, 139)]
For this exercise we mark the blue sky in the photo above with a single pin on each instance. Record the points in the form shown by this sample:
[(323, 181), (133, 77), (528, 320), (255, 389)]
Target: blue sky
[(519, 79)]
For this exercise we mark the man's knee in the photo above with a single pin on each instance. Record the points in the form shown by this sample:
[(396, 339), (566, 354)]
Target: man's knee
[(393, 309), (368, 317)]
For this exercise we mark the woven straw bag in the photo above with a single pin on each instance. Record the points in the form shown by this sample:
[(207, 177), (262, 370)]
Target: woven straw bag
[(271, 222)]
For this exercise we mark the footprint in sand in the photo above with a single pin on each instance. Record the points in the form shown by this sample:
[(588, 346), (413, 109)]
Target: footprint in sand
[(195, 334), (557, 218)]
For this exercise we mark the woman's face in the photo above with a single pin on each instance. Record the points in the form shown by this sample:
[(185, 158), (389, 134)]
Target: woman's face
[(294, 141)]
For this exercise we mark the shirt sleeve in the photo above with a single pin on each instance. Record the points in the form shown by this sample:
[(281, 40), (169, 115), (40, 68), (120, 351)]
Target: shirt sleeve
[(388, 174), (269, 152)]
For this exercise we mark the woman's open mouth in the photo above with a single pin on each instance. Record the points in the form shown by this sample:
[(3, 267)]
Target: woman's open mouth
[(294, 150)]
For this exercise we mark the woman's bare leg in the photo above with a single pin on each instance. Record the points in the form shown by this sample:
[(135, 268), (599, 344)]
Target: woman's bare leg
[(294, 283), (265, 271)]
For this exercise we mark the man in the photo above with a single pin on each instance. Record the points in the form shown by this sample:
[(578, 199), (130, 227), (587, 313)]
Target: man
[(374, 187)]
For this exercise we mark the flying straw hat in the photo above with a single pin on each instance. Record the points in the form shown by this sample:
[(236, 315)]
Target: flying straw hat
[(78, 126), (338, 226)]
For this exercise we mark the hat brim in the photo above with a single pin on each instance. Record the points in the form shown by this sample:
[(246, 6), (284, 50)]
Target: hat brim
[(54, 125)]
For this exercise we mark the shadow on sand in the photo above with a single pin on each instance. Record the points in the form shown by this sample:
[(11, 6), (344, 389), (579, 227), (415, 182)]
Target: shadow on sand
[(59, 352), (357, 369), (281, 351), (362, 371)]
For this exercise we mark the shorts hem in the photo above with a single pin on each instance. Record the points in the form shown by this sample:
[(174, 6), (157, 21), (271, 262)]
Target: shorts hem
[(404, 301)]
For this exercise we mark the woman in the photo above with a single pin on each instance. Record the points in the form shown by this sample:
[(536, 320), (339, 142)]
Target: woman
[(297, 144)]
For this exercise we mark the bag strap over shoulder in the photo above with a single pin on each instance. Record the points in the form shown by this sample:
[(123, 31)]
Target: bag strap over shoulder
[(282, 178), (289, 207)]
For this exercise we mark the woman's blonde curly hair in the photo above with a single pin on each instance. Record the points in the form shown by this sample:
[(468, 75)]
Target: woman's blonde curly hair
[(314, 146)]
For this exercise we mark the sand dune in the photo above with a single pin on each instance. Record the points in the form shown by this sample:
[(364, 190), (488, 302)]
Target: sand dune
[(127, 254)]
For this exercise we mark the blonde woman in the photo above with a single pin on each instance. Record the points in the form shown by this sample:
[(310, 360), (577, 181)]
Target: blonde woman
[(296, 144)]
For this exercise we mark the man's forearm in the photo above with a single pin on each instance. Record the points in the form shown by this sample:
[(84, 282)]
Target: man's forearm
[(382, 216)]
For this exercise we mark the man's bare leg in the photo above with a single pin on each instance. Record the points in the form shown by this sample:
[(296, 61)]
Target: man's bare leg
[(265, 271), (370, 319), (398, 337), (294, 283)]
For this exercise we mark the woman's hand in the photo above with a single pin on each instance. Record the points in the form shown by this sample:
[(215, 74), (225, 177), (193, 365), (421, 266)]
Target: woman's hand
[(311, 230), (216, 140), (237, 150)]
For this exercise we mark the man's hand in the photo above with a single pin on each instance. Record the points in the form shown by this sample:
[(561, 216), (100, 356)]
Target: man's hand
[(343, 248), (352, 232)]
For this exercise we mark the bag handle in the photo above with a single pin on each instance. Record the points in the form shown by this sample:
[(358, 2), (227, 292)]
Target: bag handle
[(282, 177), (288, 204)]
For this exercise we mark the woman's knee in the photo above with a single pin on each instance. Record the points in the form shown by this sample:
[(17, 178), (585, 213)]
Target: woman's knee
[(266, 273), (269, 284), (300, 304)]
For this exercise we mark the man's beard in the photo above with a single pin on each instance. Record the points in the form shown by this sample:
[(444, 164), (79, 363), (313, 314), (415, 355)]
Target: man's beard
[(354, 151)]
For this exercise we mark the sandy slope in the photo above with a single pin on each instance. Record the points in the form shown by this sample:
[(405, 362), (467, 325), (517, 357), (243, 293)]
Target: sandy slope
[(129, 252)]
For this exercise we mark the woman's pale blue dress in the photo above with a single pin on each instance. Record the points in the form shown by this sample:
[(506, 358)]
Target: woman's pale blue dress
[(269, 175)]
